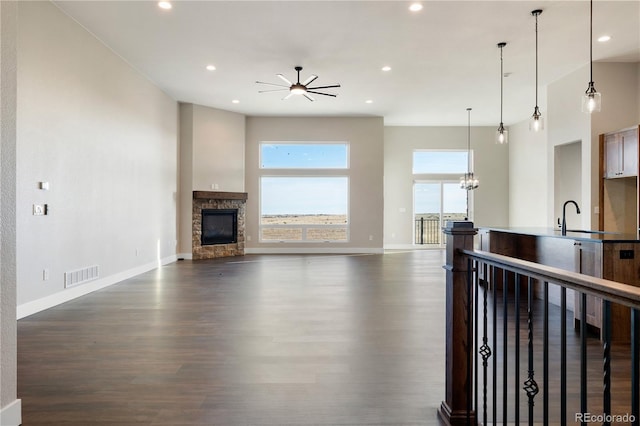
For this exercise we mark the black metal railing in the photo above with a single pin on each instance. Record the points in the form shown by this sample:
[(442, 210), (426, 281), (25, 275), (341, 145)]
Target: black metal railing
[(428, 231), (573, 394)]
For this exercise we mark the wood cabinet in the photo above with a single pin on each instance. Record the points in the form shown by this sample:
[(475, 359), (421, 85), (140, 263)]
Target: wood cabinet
[(619, 197), (621, 154), (588, 261), (620, 262)]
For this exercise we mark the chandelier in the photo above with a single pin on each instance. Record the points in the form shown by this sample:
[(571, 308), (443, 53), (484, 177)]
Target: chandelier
[(469, 181)]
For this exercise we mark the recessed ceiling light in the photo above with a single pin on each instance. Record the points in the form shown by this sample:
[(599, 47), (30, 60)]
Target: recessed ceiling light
[(368, 101), (415, 7), (235, 101), (211, 67), (164, 5), (604, 38), (386, 68)]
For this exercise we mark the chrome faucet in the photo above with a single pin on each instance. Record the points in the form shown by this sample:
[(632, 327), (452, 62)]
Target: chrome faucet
[(564, 213)]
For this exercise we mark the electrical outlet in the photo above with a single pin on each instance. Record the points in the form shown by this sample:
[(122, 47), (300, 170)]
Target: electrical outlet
[(370, 237), (45, 274), (626, 254)]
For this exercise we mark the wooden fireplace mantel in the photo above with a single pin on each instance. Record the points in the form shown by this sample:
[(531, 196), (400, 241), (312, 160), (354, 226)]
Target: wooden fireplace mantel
[(216, 195)]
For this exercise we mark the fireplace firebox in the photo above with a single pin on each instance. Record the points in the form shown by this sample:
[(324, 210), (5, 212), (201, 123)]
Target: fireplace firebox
[(219, 226)]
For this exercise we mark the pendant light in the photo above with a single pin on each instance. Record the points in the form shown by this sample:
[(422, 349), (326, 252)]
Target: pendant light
[(502, 135), (469, 181), (536, 123), (591, 100)]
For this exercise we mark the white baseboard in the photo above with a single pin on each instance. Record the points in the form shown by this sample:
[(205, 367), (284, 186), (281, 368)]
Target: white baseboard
[(313, 250), (11, 414), (71, 293)]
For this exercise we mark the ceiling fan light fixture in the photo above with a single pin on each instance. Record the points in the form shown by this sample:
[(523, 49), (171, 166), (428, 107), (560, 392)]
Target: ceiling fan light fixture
[(298, 89)]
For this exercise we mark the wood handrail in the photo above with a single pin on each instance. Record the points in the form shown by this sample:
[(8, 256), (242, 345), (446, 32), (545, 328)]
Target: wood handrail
[(624, 294)]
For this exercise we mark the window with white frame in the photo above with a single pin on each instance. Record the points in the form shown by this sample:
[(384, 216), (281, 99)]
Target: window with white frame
[(304, 192)]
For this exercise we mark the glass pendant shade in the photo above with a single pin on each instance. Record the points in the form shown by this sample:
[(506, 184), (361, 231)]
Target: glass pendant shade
[(502, 135), (591, 101), (536, 122)]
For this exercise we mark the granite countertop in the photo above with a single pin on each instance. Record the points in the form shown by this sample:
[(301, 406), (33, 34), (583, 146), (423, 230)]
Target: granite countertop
[(608, 237)]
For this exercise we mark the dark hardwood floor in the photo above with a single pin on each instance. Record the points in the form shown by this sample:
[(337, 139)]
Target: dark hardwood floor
[(253, 340), (270, 340)]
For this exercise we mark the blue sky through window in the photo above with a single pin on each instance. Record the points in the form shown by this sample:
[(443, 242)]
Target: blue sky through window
[(304, 155)]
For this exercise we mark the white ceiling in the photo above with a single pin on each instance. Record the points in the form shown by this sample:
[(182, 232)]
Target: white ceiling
[(443, 58)]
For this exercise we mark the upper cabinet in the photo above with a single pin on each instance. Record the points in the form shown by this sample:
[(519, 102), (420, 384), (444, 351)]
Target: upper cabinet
[(621, 154)]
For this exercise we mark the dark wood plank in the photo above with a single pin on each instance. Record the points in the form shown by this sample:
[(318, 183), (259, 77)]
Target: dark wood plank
[(263, 340)]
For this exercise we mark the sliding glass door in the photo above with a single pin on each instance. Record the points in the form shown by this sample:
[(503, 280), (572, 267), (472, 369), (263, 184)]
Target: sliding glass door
[(436, 202)]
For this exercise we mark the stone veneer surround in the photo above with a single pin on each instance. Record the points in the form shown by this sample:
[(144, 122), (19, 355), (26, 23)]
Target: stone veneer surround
[(217, 200)]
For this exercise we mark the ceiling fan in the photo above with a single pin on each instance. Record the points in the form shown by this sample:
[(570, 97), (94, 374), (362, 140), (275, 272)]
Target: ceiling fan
[(299, 88)]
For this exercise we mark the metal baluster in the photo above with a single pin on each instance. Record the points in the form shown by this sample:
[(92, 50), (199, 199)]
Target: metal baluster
[(469, 337), (476, 321), (545, 355), (635, 366), (606, 360), (530, 385), (517, 352), (583, 355), (505, 357), (495, 348), (563, 357), (485, 351)]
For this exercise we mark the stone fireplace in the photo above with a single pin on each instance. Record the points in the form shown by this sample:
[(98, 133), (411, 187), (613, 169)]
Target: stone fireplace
[(224, 215)]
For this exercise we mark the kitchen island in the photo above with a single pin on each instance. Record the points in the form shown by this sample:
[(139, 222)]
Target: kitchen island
[(604, 255)]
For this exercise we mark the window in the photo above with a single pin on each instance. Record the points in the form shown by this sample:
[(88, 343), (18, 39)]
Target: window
[(439, 162), (305, 196), (304, 155)]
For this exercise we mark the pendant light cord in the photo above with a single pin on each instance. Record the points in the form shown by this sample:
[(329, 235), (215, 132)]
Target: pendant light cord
[(501, 82), (537, 60), (469, 141), (591, 42)]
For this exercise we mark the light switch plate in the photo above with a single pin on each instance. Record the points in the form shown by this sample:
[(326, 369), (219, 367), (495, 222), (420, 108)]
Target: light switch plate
[(38, 210)]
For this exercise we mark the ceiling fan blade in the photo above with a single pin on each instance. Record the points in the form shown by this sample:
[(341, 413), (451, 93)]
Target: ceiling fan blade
[(271, 84), (287, 97), (272, 90), (308, 97), (320, 93), (323, 87), (309, 80), (285, 79)]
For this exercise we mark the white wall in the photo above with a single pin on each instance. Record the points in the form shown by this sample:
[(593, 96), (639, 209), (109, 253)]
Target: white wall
[(568, 124), (490, 200), (528, 177), (10, 412), (211, 159), (105, 139), (366, 203)]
